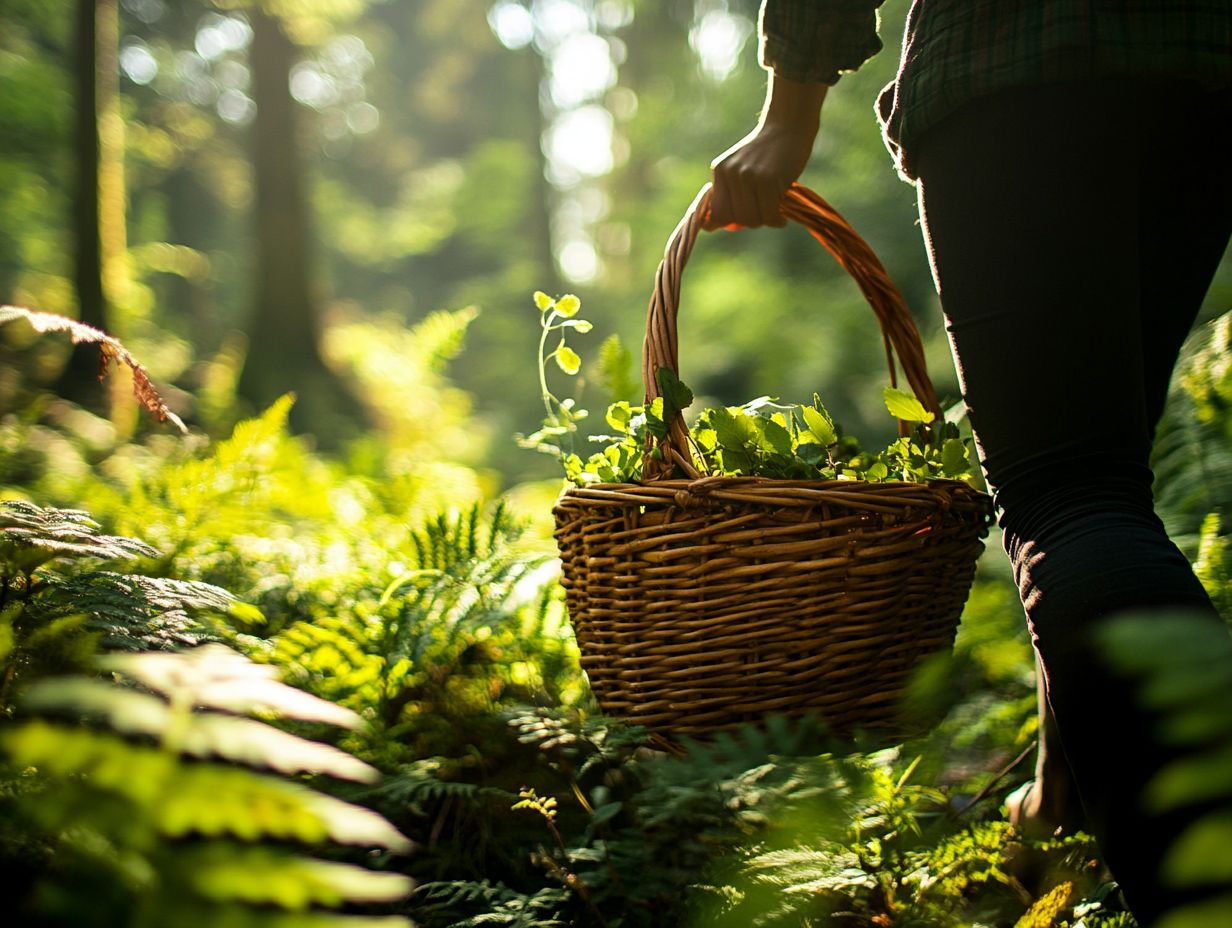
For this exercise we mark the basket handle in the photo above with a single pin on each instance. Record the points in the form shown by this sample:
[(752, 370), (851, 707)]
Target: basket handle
[(660, 348)]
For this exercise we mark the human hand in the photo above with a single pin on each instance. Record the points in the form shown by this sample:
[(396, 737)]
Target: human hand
[(751, 177)]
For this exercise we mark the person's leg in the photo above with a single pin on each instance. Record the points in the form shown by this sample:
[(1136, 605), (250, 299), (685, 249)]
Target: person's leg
[(1046, 228), (1048, 803)]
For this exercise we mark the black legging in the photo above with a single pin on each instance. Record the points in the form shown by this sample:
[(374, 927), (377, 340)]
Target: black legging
[(1073, 231)]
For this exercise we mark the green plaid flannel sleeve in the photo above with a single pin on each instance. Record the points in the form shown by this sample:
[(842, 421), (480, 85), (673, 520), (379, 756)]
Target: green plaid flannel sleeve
[(815, 40)]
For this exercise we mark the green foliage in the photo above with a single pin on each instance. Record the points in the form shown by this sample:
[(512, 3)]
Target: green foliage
[(32, 536), (400, 374), (746, 831), (615, 366), (187, 838), (457, 632), (165, 795), (761, 438), (496, 904), (1192, 459), (258, 513), (433, 617), (1179, 659), (54, 611), (1213, 565)]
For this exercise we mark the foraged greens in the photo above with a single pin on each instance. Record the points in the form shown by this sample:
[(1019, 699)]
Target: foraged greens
[(762, 438)]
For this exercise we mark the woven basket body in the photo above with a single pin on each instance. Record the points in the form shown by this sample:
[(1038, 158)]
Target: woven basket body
[(704, 602), (699, 605)]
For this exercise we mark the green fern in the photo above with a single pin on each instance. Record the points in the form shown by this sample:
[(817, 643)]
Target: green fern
[(54, 614), (1192, 459), (453, 631), (497, 904), (31, 536), (199, 820), (134, 612), (1213, 565), (430, 782), (1180, 660)]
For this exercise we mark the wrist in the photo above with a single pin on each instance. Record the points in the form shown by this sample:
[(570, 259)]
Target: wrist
[(793, 105)]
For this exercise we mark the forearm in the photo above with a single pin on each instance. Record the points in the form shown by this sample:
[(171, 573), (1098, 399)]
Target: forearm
[(794, 104), (805, 45)]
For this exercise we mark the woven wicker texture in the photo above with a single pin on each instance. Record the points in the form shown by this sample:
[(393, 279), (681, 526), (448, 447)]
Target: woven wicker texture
[(705, 602)]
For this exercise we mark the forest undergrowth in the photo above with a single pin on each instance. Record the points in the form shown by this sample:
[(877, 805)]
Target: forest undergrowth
[(244, 683)]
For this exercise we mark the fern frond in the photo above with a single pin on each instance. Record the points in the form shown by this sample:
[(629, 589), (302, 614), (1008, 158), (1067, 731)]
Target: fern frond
[(497, 904), (1192, 458), (749, 746), (178, 799), (459, 583), (804, 869), (203, 735), (215, 677), (110, 349), (31, 535), (134, 612), (615, 368), (339, 656), (424, 783), (224, 871)]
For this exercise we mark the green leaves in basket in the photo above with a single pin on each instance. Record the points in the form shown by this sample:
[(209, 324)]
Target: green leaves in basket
[(906, 407), (619, 416), (676, 396), (820, 426), (920, 457), (762, 438), (955, 461)]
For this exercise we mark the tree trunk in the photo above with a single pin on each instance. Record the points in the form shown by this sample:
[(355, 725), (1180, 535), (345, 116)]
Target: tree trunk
[(283, 353), (79, 379), (540, 217), (112, 192)]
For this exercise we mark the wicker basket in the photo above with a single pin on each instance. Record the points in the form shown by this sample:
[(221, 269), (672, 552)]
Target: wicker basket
[(706, 602)]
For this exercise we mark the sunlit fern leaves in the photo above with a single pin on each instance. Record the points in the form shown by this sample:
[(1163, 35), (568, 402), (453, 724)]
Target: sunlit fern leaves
[(788, 886), (219, 515), (133, 612), (56, 608), (463, 568), (453, 628), (1192, 459), (191, 806), (1214, 562), (30, 536), (456, 904)]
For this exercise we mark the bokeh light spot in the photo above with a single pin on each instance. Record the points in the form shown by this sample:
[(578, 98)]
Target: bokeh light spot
[(717, 39), (138, 64), (511, 23)]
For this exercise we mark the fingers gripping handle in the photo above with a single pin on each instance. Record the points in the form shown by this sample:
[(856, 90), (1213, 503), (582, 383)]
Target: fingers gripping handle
[(661, 348)]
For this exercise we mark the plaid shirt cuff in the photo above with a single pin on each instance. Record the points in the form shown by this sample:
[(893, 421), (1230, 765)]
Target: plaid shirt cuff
[(816, 40)]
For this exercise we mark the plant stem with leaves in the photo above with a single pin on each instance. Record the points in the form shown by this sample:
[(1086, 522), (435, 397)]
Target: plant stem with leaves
[(560, 416)]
